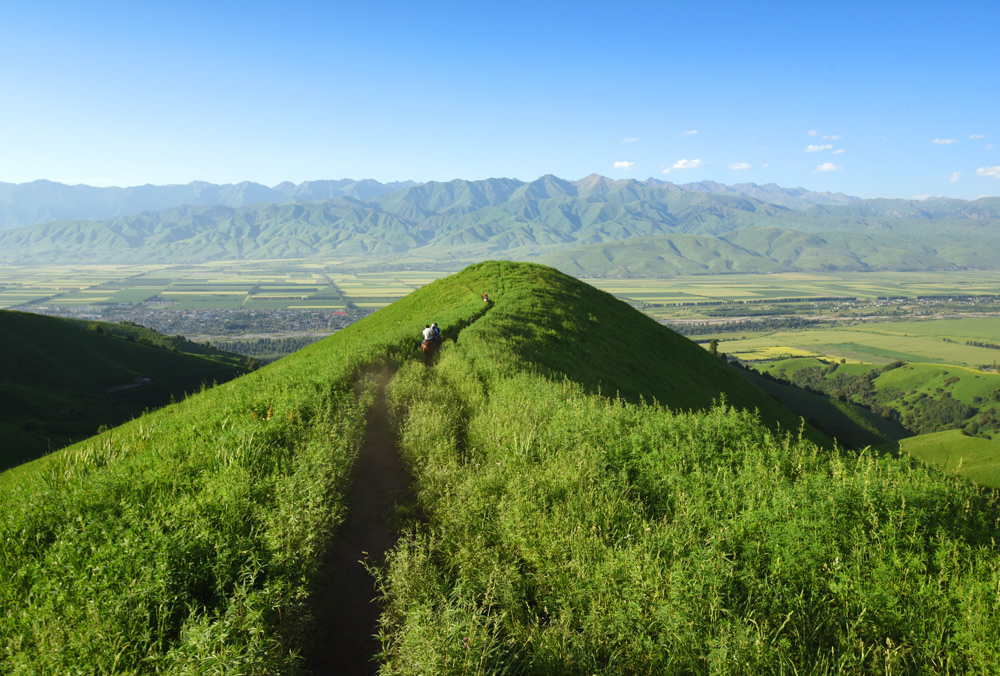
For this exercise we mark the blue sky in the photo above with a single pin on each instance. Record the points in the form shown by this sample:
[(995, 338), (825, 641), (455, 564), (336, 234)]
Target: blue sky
[(885, 99)]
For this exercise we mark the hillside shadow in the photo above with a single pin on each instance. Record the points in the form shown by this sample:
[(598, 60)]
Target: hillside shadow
[(344, 596)]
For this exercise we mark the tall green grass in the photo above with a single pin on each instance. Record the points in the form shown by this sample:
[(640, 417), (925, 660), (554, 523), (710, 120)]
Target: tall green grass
[(186, 541), (573, 525), (573, 533)]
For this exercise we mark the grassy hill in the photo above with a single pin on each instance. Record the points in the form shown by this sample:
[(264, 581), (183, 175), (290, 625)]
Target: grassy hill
[(63, 379), (922, 397), (851, 425), (564, 529), (975, 458)]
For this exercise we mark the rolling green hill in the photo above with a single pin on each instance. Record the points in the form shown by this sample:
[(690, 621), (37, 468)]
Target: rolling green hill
[(563, 529), (850, 424), (974, 458), (63, 379), (922, 397)]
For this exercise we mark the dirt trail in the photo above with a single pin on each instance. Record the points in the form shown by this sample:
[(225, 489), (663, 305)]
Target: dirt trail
[(345, 592), (344, 595)]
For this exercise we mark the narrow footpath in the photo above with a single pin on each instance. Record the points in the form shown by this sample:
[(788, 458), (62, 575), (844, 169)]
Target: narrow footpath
[(344, 598)]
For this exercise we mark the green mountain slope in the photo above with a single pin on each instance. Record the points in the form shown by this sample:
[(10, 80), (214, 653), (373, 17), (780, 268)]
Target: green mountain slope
[(61, 379), (44, 201), (565, 530), (595, 225)]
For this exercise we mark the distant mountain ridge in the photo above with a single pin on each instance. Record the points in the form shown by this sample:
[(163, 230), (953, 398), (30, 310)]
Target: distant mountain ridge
[(43, 201), (593, 226), (793, 198)]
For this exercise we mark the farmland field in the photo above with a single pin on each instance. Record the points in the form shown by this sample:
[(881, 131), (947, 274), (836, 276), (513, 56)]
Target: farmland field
[(847, 303), (269, 285), (683, 296), (937, 342), (297, 281)]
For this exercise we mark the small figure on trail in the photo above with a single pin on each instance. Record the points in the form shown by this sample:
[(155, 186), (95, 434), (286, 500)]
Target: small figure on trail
[(437, 333), (486, 298), (430, 344)]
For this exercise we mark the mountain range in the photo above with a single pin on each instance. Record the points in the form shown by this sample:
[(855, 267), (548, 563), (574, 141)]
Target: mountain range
[(42, 201), (593, 226)]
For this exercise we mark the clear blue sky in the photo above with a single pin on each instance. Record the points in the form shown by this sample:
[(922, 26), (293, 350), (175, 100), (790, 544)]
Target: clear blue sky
[(876, 99)]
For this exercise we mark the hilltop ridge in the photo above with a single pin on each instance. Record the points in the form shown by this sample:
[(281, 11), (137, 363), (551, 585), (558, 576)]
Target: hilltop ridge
[(568, 523)]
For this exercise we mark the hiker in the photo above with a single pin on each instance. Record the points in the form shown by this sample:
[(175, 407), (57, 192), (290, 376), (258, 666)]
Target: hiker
[(486, 298), (428, 334), (437, 333)]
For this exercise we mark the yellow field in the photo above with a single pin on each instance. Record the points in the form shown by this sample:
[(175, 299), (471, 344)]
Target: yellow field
[(769, 352)]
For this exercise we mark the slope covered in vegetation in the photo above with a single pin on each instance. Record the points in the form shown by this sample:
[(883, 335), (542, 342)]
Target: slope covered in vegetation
[(922, 397), (567, 529), (63, 379)]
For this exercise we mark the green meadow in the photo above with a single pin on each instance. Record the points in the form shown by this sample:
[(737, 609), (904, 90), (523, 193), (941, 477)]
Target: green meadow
[(593, 494), (973, 458)]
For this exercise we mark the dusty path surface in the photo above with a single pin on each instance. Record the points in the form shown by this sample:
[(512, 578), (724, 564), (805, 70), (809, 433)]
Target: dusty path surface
[(344, 596)]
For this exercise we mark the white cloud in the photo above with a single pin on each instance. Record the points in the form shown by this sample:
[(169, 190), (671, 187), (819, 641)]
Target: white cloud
[(740, 166), (685, 164), (630, 139), (828, 166), (814, 148), (839, 151), (943, 141), (834, 137), (990, 146), (955, 175), (688, 164), (624, 164), (977, 136), (690, 132), (812, 132), (989, 171), (765, 166)]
